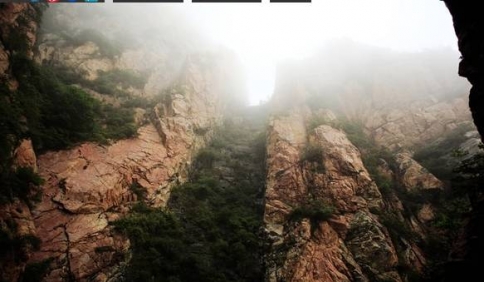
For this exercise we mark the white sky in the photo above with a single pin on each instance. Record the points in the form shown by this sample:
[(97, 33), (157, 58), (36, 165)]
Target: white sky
[(263, 34)]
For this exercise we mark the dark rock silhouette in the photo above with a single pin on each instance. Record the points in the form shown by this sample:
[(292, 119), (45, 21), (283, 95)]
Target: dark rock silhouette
[(466, 259)]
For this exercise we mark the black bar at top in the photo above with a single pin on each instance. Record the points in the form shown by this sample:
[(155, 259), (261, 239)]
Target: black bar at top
[(52, 1), (147, 1), (226, 1), (290, 1)]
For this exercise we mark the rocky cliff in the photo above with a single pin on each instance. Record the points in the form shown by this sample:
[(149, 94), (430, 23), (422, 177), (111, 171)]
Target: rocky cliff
[(89, 185), (345, 200), (19, 24), (403, 100), (319, 170)]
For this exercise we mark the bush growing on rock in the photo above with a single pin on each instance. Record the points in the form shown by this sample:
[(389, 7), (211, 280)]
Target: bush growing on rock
[(315, 211)]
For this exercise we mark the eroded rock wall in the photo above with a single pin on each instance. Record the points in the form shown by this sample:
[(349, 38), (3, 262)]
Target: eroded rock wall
[(352, 245), (89, 186)]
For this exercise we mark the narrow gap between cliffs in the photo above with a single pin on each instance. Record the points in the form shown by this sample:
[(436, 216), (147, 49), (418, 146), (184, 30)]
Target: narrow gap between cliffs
[(210, 230)]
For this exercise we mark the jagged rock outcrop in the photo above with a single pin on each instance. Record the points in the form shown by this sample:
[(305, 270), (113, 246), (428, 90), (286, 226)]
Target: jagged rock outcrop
[(24, 155), (89, 186), (352, 245), (416, 123), (466, 257), (404, 104), (84, 59), (412, 176)]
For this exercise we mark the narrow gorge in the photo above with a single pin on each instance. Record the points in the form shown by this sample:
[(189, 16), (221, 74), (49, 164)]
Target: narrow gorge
[(140, 160)]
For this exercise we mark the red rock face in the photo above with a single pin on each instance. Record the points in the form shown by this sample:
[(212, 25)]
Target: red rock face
[(87, 187), (352, 245), (24, 155)]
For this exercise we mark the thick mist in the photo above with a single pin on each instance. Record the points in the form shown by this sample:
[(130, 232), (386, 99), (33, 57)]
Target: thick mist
[(264, 36)]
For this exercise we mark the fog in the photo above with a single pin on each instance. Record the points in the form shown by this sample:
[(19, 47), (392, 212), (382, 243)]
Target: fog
[(264, 35)]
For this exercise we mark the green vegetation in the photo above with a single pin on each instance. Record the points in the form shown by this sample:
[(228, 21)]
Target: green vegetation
[(314, 155), (449, 204), (13, 245), (315, 211), (138, 102), (59, 116), (397, 227), (14, 39), (372, 155), (104, 249), (22, 183), (317, 100), (35, 272), (206, 158), (117, 123), (201, 131), (54, 116), (210, 230), (108, 82), (138, 190), (106, 47), (112, 83), (315, 121), (18, 42), (438, 157), (470, 179)]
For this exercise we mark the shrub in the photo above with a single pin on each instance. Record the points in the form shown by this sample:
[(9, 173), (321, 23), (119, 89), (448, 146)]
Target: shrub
[(118, 122), (316, 121), (397, 228), (210, 232), (10, 242), (315, 211), (17, 42), (138, 190), (313, 154), (138, 102), (108, 81), (436, 157), (57, 115), (206, 158), (103, 249), (20, 183), (36, 271), (106, 48), (201, 131)]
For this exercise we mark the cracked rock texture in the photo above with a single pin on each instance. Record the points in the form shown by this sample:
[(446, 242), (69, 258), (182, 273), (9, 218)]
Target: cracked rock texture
[(88, 186), (352, 245), (403, 100)]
